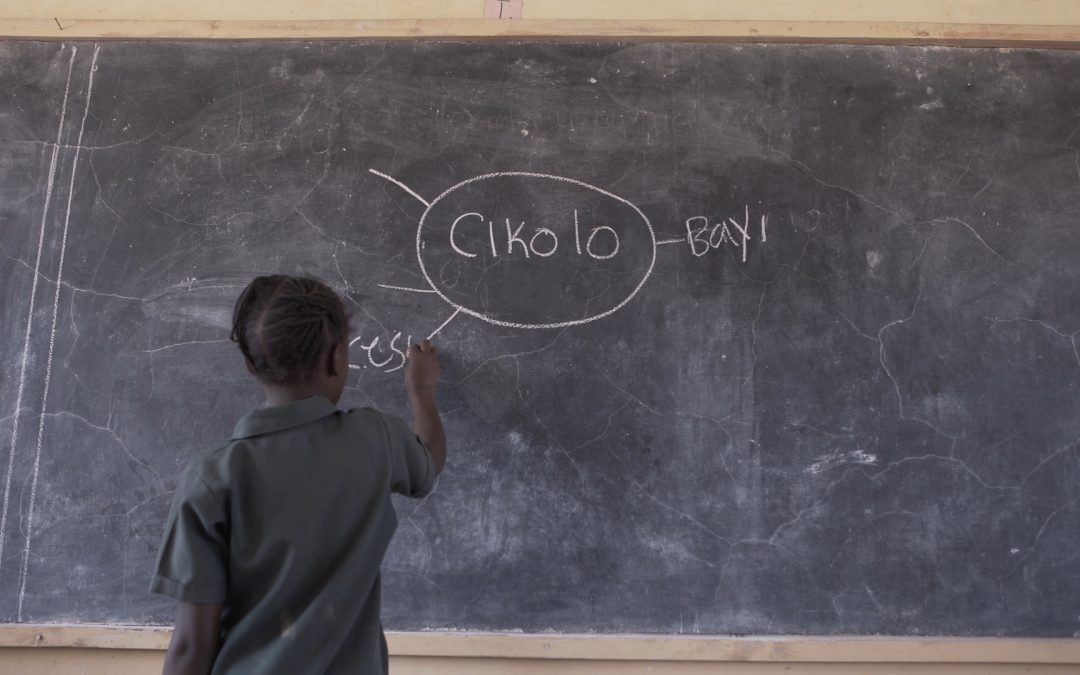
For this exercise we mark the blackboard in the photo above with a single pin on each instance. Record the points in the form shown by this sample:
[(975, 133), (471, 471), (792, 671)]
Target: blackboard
[(738, 339)]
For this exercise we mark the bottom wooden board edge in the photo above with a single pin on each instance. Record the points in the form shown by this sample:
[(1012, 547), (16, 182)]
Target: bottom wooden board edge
[(615, 647)]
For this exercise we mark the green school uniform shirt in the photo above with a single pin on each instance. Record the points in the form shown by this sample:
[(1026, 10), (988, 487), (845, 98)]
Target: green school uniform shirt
[(287, 525)]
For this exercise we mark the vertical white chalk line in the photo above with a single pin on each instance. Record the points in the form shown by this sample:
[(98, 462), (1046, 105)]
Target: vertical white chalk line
[(444, 323), (401, 185), (52, 339), (30, 312)]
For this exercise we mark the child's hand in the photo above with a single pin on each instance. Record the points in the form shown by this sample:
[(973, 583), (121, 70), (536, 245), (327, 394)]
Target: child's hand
[(422, 370)]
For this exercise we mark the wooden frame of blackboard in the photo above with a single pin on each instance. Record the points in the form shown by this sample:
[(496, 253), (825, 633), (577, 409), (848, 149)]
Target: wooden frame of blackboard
[(823, 32), (710, 649), (638, 648)]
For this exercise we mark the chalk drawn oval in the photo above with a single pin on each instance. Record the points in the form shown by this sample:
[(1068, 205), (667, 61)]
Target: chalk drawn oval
[(533, 250)]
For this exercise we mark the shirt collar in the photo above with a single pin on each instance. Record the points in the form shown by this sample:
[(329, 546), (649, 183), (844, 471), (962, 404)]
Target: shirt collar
[(267, 420)]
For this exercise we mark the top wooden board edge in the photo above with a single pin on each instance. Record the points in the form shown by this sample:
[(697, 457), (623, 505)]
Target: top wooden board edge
[(847, 32)]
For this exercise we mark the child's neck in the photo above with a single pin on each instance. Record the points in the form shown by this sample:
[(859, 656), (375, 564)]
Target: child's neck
[(284, 394)]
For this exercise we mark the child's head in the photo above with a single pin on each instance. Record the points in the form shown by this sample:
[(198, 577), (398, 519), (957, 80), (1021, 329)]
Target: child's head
[(293, 331)]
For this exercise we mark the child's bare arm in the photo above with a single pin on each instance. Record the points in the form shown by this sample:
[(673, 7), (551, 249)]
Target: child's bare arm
[(195, 639), (421, 375)]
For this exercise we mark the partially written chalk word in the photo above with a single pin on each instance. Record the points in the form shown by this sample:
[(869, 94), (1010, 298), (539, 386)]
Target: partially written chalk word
[(704, 237), (388, 357), (542, 242)]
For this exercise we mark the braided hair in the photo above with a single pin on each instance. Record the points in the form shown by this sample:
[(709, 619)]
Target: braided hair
[(284, 325)]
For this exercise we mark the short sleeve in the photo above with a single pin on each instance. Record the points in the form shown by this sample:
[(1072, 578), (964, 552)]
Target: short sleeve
[(412, 471), (192, 565)]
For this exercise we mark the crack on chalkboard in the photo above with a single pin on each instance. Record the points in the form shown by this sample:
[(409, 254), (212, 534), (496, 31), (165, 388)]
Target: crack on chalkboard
[(109, 430), (877, 476), (719, 423), (628, 395), (892, 378), (853, 327), (1039, 535), (1071, 337), (952, 219), (815, 504), (321, 232), (560, 448), (861, 197), (887, 468), (983, 188), (48, 145), (604, 431), (600, 81), (748, 380), (359, 76), (515, 355), (1069, 448), (922, 251), (297, 122), (65, 284), (666, 506)]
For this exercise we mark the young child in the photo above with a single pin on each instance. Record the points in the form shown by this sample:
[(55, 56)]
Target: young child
[(274, 540)]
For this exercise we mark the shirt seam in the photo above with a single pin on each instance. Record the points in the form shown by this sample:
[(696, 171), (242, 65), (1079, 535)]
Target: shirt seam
[(389, 449), (213, 493), (190, 586)]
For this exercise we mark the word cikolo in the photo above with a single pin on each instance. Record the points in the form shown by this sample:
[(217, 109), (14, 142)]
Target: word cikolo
[(599, 243), (703, 236)]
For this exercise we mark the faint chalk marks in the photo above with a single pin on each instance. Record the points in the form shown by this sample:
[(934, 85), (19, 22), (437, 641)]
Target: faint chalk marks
[(838, 459), (991, 182), (360, 76), (30, 311), (52, 340), (182, 344)]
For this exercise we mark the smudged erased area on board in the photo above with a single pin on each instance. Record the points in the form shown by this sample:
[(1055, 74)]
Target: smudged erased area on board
[(698, 461)]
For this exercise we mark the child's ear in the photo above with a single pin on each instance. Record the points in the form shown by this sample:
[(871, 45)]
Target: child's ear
[(250, 366), (332, 365)]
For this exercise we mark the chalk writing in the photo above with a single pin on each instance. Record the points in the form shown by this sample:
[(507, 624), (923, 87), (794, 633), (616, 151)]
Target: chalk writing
[(542, 243), (475, 234), (704, 237), (381, 353)]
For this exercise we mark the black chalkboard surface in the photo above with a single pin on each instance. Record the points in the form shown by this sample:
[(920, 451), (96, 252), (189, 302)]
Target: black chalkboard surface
[(737, 339)]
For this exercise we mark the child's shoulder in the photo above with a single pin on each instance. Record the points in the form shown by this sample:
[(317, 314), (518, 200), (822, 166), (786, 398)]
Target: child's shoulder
[(208, 467)]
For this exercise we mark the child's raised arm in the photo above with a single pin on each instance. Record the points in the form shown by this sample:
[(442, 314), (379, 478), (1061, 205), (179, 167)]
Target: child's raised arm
[(421, 375)]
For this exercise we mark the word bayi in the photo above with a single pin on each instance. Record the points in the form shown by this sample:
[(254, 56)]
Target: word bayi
[(704, 237)]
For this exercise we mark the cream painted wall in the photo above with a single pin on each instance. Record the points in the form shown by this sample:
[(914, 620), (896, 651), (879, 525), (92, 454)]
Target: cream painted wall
[(1049, 22), (1047, 12)]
